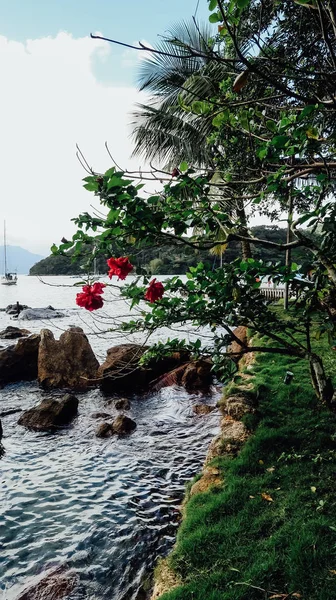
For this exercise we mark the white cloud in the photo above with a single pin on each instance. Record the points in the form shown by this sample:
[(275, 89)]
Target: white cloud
[(50, 99), (132, 58)]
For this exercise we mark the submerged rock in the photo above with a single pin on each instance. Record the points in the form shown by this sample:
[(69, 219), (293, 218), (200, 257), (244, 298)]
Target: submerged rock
[(19, 362), (100, 415), (68, 362), (10, 411), (12, 333), (33, 314), (104, 430), (50, 414), (123, 424), (54, 585), (123, 404), (15, 309)]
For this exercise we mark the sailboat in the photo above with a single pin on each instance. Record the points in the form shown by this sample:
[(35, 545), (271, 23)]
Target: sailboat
[(8, 278)]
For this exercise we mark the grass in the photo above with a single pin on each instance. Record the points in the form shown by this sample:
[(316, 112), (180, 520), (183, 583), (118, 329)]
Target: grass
[(234, 543)]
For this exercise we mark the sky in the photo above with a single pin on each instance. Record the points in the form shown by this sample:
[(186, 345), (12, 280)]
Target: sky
[(58, 88)]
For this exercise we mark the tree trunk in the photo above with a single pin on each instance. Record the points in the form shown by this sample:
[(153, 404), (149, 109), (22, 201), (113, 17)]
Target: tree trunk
[(322, 385), (245, 246), (289, 239)]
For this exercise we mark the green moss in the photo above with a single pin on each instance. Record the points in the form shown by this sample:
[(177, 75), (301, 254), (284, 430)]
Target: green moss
[(234, 542)]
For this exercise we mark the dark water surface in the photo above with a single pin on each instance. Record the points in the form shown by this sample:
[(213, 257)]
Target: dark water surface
[(106, 508)]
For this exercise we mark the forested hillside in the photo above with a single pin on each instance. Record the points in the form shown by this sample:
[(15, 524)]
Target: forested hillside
[(168, 260)]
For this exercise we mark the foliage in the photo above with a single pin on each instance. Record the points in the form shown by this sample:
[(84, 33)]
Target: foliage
[(271, 525), (274, 143), (166, 259)]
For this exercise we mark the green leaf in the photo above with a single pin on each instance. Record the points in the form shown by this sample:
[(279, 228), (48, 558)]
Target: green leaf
[(212, 4), (54, 249), (279, 141), (91, 187), (183, 166), (271, 126), (262, 153), (215, 18), (242, 3), (306, 111), (199, 107), (285, 122), (117, 181)]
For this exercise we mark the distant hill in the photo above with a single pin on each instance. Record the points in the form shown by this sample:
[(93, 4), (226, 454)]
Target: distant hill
[(171, 260), (18, 259)]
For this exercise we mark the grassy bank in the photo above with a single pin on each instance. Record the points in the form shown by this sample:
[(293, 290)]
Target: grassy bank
[(270, 530)]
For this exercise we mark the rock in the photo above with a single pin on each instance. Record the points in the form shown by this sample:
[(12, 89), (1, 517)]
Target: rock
[(104, 430), (123, 404), (121, 370), (197, 375), (238, 405), (203, 409), (123, 424), (19, 362), (193, 376), (10, 411), (241, 334), (68, 362), (100, 415), (211, 477), (33, 314), (54, 585), (12, 333), (15, 309), (120, 425), (50, 414), (1, 431)]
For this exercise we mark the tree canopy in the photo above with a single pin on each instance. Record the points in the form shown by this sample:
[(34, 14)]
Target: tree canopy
[(272, 144)]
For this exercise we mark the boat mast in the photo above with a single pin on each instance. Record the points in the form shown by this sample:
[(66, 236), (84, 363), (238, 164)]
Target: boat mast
[(5, 248)]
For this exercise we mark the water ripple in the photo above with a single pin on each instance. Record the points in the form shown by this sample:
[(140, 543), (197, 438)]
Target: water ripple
[(106, 508)]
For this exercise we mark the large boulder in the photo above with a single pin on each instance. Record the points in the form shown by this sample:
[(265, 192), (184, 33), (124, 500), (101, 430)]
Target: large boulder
[(68, 362), (50, 414), (13, 333), (234, 347), (34, 314), (19, 362), (194, 376), (121, 370)]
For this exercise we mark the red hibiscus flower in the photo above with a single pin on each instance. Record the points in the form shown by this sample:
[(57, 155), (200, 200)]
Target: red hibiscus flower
[(120, 267), (154, 291), (90, 298)]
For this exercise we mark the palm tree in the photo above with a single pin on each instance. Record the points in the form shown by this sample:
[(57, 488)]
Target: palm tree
[(163, 129)]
